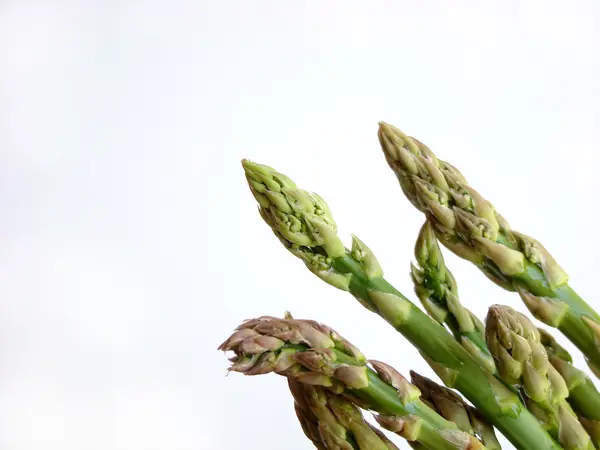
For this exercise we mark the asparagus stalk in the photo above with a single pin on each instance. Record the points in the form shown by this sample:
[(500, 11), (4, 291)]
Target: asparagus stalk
[(436, 288), (584, 398), (469, 226), (522, 361), (311, 353), (304, 225), (452, 407), (332, 422)]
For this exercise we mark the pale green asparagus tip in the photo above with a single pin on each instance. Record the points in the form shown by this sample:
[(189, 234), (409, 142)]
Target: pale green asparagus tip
[(412, 161), (435, 285), (466, 222), (431, 277), (427, 250), (521, 358), (302, 220)]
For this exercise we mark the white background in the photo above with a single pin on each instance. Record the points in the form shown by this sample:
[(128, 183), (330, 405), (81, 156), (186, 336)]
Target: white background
[(131, 245)]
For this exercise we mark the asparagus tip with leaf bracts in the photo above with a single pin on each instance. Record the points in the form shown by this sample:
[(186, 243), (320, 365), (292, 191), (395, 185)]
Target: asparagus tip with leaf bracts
[(332, 422), (471, 227), (311, 353), (584, 398), (436, 288), (522, 361)]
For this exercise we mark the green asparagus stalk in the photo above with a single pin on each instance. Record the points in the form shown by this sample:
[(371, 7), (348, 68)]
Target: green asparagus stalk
[(436, 288), (469, 226), (332, 422), (453, 408), (522, 361), (304, 225), (311, 353), (584, 398)]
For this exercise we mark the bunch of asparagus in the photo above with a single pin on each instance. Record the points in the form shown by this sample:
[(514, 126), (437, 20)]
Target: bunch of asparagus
[(517, 377)]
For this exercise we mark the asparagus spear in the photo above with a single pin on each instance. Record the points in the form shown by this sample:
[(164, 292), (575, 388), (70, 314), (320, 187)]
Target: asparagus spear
[(313, 354), (584, 398), (452, 407), (469, 225), (522, 360), (304, 225), (308, 420), (436, 288), (332, 422)]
